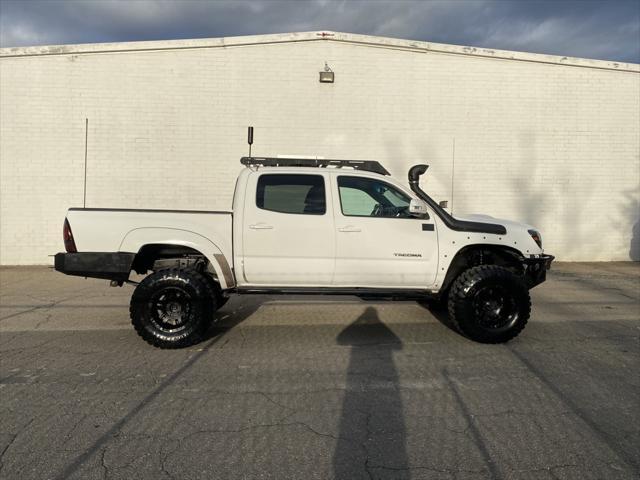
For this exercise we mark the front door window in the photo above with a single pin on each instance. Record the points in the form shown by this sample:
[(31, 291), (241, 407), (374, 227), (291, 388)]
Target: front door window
[(366, 197)]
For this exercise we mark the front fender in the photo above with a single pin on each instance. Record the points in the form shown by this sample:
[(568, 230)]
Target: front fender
[(137, 238)]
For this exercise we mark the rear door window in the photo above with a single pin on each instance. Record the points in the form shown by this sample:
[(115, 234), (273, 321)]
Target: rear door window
[(290, 193)]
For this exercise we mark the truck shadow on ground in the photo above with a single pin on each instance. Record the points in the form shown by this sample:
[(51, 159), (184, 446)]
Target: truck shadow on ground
[(372, 386), (440, 312), (232, 314)]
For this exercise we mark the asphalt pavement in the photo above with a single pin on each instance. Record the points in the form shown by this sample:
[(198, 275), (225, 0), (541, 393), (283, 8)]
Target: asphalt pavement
[(320, 387)]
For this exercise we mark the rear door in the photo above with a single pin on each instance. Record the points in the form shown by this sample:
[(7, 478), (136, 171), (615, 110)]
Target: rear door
[(288, 230), (378, 244)]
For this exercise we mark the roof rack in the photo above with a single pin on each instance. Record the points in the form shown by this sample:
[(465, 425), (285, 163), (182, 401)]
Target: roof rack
[(366, 165)]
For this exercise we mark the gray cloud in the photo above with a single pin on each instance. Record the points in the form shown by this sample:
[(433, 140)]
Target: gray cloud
[(582, 28)]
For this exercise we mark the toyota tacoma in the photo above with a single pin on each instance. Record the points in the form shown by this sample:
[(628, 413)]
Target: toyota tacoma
[(300, 226)]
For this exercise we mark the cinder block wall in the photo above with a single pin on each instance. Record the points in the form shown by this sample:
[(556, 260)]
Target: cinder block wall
[(550, 141)]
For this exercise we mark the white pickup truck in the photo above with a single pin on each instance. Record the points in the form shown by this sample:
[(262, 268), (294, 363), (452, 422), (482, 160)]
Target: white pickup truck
[(310, 227)]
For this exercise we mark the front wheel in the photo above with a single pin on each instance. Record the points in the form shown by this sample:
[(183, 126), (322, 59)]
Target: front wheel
[(489, 304), (172, 308)]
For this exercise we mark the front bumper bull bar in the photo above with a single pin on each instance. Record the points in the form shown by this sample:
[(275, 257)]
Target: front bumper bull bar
[(535, 269)]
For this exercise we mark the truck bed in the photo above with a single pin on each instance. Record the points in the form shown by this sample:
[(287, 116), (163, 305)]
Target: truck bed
[(126, 230)]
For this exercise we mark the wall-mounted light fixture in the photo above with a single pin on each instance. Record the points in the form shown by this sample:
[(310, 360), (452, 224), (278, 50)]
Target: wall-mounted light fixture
[(327, 76)]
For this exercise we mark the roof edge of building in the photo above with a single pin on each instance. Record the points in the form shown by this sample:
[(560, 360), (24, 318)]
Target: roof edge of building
[(353, 38)]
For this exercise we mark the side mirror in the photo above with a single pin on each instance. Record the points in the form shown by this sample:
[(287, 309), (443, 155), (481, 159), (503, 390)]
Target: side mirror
[(418, 208), (444, 203)]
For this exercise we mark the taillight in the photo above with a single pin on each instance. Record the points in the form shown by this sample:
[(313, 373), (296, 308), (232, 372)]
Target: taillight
[(69, 243)]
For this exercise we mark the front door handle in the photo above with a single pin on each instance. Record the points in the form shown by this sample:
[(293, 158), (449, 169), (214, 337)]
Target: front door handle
[(260, 226), (349, 229)]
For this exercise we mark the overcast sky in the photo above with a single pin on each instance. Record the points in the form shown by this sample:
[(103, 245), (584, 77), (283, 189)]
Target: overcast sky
[(599, 29)]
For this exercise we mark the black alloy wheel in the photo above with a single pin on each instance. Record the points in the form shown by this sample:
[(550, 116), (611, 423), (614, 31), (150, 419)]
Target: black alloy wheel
[(495, 308), (170, 308)]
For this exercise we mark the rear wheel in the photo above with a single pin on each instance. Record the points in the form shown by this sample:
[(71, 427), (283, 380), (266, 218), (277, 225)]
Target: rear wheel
[(172, 308), (220, 297), (489, 304)]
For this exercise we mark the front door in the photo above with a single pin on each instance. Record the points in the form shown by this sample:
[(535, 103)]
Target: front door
[(378, 244), (288, 231)]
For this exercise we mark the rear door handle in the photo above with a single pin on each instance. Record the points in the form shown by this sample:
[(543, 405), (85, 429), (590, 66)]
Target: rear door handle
[(260, 226), (349, 228)]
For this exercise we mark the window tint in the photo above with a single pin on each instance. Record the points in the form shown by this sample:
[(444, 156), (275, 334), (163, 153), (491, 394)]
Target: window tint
[(366, 197), (291, 194)]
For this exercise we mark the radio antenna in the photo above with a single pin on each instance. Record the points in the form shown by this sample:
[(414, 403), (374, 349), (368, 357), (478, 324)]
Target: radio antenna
[(86, 137), (250, 139), (453, 169)]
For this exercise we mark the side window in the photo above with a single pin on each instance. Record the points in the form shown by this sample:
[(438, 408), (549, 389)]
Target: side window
[(366, 197), (301, 194)]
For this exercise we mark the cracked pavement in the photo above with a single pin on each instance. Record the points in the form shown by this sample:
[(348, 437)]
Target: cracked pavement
[(320, 387)]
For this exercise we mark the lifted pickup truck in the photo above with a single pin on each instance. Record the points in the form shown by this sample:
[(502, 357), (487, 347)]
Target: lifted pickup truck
[(310, 227)]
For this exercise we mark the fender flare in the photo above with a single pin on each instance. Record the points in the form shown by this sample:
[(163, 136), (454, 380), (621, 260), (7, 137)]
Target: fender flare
[(137, 238), (454, 267)]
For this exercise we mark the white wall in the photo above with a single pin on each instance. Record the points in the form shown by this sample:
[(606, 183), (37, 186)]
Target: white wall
[(549, 141)]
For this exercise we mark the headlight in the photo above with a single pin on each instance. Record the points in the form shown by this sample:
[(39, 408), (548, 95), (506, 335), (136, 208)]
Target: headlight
[(536, 237)]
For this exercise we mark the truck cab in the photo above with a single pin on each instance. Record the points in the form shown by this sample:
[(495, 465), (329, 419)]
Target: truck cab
[(313, 227)]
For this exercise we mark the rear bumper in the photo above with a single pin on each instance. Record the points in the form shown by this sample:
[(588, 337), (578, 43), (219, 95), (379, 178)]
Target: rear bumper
[(107, 265), (536, 269)]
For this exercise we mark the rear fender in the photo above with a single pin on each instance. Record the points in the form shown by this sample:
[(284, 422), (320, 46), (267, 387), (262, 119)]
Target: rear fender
[(134, 240)]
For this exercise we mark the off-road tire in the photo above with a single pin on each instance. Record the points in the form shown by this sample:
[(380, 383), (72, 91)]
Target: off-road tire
[(220, 298), (165, 295), (489, 304)]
